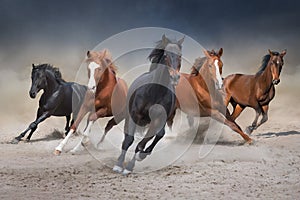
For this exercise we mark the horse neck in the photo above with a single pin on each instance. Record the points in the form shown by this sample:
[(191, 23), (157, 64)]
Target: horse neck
[(106, 78), (265, 78), (206, 75), (52, 84)]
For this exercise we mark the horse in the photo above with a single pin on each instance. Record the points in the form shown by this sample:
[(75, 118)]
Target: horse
[(151, 101), (255, 91), (206, 81), (60, 98), (106, 97)]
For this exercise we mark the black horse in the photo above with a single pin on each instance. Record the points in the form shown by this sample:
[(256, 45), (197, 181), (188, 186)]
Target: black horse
[(60, 98), (151, 100)]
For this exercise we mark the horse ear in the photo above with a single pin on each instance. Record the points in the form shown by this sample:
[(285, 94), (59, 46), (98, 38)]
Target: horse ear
[(165, 40), (270, 52), (283, 53), (88, 54), (181, 41), (220, 53), (206, 53), (33, 65)]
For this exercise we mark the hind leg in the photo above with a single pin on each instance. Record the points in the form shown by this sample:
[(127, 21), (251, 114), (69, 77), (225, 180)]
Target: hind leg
[(219, 117)]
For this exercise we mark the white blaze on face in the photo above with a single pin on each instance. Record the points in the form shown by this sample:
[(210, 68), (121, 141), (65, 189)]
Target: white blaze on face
[(92, 83), (218, 75)]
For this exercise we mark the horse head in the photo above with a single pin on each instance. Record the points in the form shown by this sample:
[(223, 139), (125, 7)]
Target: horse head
[(216, 65), (38, 81), (276, 63), (172, 57), (97, 63)]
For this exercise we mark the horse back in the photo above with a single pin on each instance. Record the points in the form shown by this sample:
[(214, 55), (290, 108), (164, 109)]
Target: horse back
[(241, 88)]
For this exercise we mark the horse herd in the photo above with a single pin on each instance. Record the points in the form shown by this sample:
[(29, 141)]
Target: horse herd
[(152, 99)]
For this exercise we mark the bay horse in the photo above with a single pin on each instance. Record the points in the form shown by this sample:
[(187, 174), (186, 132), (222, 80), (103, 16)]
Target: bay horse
[(151, 101), (106, 97), (206, 81), (60, 98), (255, 91)]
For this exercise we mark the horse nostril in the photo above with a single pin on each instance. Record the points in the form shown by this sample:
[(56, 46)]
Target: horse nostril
[(276, 81)]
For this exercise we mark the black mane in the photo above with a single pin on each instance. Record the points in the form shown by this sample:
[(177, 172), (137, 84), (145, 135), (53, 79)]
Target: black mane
[(158, 52), (54, 70), (265, 61)]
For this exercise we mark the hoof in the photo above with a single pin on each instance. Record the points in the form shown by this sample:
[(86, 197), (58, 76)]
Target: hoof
[(140, 156), (250, 142), (249, 130), (126, 172), (15, 141), (57, 152), (117, 169)]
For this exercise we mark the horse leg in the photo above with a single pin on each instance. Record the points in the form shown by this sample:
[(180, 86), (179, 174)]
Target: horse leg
[(171, 120), (158, 119), (232, 124), (84, 109), (141, 155), (33, 126), (67, 127), (129, 130), (80, 145), (251, 128), (264, 118), (237, 111), (111, 123)]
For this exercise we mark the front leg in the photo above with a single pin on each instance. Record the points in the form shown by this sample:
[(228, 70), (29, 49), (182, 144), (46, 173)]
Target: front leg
[(251, 128), (34, 124), (32, 127), (92, 118)]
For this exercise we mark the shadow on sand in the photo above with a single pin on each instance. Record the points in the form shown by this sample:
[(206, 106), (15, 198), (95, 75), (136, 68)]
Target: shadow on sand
[(271, 134), (55, 135)]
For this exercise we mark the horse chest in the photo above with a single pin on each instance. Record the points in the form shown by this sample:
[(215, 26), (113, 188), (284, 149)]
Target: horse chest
[(264, 97)]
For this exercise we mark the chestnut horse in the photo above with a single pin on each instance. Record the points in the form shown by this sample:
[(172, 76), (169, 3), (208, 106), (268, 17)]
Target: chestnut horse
[(205, 79), (255, 91), (106, 97)]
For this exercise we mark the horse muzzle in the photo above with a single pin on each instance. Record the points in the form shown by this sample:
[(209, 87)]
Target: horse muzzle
[(32, 94), (276, 81)]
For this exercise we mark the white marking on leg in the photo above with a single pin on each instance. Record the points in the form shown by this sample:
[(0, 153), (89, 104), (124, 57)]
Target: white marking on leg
[(86, 133), (218, 75), (65, 140), (92, 83), (117, 169)]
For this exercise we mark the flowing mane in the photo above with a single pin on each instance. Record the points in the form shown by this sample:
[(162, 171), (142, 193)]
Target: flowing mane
[(197, 65), (101, 56), (54, 70), (265, 61), (156, 54)]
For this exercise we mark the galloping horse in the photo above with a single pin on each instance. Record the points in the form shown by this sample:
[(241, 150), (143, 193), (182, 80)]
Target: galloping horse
[(206, 81), (106, 97), (60, 98), (255, 91), (151, 100)]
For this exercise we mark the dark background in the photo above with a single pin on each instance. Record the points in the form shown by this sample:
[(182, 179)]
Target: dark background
[(60, 32)]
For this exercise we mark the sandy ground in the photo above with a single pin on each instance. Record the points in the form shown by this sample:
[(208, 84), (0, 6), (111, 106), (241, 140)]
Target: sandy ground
[(269, 169)]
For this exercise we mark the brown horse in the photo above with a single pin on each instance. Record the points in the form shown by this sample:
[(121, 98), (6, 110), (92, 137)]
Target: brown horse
[(255, 91), (106, 97), (206, 82)]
